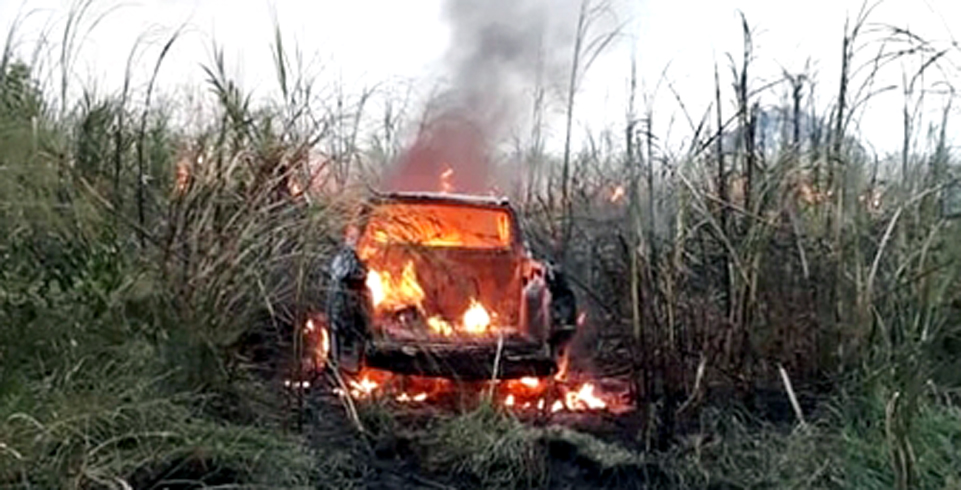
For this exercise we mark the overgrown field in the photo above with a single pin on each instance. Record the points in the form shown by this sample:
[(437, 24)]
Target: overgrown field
[(786, 303)]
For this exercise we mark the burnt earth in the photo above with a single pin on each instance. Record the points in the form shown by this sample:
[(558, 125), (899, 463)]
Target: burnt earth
[(396, 449)]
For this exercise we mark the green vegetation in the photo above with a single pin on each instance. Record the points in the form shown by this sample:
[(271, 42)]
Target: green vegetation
[(487, 449), (147, 323)]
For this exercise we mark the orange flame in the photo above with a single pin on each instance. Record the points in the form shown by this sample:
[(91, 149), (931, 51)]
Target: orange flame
[(323, 344), (363, 388), (520, 394), (435, 226), (390, 292), (573, 398), (405, 398), (618, 193), (476, 318), (375, 283), (182, 177), (563, 365), (530, 381), (440, 326), (476, 321), (445, 185), (295, 188), (584, 398)]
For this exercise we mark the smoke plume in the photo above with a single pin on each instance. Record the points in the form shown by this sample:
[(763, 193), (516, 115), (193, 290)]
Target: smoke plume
[(500, 52)]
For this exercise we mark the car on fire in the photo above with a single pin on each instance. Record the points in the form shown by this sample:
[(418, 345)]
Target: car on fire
[(444, 285)]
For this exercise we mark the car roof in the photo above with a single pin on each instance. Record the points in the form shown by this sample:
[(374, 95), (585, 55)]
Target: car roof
[(441, 198)]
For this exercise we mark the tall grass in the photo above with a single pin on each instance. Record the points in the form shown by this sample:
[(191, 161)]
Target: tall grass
[(133, 305), (154, 281), (747, 253)]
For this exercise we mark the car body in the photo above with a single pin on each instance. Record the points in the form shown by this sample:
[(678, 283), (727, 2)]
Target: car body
[(438, 284)]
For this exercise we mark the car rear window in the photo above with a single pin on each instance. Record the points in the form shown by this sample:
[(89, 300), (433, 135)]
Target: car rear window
[(435, 225)]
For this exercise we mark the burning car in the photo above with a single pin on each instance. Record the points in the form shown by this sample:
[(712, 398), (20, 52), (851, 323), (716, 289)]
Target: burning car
[(444, 285)]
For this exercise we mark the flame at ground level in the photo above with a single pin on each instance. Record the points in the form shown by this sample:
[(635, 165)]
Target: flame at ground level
[(322, 347), (527, 394)]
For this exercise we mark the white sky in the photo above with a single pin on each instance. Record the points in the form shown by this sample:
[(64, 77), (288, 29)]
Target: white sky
[(363, 42)]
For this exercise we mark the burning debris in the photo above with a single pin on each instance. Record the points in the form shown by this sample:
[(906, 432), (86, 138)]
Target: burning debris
[(528, 394)]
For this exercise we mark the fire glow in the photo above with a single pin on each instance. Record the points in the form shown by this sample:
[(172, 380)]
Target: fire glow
[(446, 187), (572, 398), (374, 384), (476, 318), (617, 194), (388, 292), (436, 226), (532, 393), (322, 349), (527, 394)]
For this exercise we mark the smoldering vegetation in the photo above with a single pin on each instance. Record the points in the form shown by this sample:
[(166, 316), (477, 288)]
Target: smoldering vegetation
[(784, 301)]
